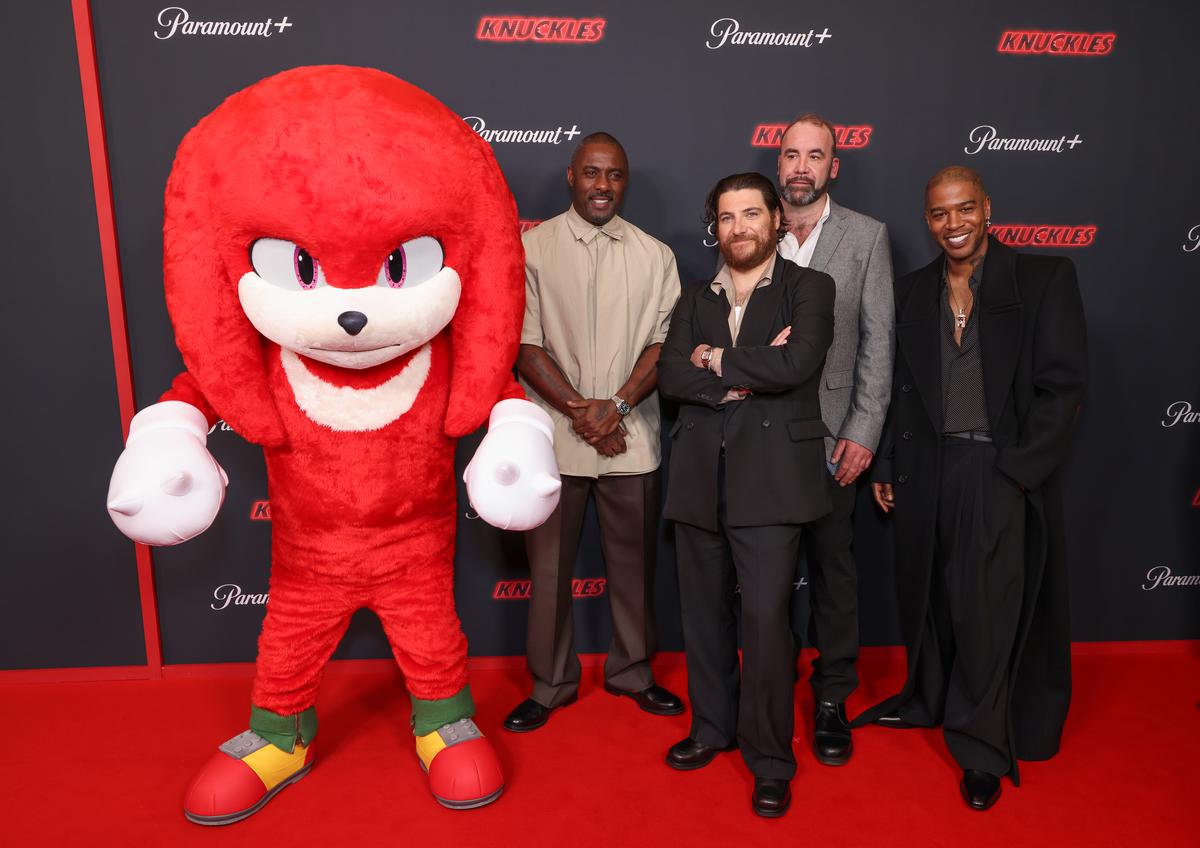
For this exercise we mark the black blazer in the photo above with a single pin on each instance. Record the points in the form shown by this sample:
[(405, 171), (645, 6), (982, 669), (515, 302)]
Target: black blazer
[(775, 454)]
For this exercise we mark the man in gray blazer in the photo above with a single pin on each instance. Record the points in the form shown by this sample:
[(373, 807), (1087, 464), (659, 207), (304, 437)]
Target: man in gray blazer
[(855, 390)]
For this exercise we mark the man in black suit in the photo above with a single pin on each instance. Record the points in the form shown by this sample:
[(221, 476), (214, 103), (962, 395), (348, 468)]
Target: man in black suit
[(990, 370), (743, 358)]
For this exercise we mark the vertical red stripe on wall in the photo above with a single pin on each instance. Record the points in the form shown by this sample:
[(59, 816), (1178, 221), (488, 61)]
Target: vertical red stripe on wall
[(106, 220)]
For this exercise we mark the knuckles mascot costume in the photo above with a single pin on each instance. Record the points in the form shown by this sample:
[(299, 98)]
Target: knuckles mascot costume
[(345, 277)]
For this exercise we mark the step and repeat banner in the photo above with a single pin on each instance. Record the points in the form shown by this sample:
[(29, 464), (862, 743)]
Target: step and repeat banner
[(1080, 117)]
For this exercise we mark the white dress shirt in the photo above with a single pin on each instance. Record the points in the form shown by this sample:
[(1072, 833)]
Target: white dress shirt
[(801, 254)]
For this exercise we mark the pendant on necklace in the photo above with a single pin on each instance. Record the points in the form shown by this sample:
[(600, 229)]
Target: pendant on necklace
[(961, 319)]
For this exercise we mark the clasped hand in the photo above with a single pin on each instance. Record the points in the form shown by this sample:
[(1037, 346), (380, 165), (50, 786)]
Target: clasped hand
[(598, 423)]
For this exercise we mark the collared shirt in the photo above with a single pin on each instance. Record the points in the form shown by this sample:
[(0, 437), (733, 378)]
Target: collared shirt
[(964, 404), (801, 254), (595, 298), (724, 283)]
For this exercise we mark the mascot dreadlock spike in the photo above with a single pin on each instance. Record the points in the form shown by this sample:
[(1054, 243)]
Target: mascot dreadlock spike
[(344, 274)]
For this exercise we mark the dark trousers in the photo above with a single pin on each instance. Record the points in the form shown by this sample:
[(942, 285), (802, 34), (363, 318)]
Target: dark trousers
[(833, 597), (963, 669), (628, 507), (757, 705)]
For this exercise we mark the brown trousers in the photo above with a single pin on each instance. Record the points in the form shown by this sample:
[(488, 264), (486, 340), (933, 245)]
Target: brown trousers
[(628, 507)]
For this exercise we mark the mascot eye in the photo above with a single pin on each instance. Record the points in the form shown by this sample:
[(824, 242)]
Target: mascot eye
[(286, 265), (411, 263)]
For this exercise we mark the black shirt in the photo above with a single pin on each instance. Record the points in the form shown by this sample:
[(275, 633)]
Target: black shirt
[(964, 405)]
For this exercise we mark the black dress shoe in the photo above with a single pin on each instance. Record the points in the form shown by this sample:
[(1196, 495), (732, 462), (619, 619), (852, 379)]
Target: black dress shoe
[(979, 789), (688, 754), (831, 734), (530, 715), (771, 797), (653, 699)]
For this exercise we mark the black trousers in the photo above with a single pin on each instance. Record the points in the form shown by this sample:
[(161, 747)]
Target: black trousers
[(833, 597), (756, 706), (963, 668), (628, 508)]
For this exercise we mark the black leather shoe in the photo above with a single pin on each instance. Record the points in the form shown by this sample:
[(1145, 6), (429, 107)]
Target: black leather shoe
[(654, 699), (771, 797), (530, 715), (832, 744), (688, 754), (979, 789)]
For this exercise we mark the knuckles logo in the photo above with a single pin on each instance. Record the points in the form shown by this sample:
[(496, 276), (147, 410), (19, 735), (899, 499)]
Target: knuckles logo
[(1039, 42), (260, 511), (231, 594), (848, 138), (545, 30), (518, 590), (1161, 575), (1044, 235), (1180, 412), (508, 136), (176, 20), (1193, 240), (729, 31), (985, 137)]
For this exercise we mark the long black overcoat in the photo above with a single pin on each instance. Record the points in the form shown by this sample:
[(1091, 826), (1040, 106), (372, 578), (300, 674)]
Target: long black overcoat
[(1034, 346)]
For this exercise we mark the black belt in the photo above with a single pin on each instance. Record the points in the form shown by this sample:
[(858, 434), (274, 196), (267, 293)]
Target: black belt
[(970, 435)]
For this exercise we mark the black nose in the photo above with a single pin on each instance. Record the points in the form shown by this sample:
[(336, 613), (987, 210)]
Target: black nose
[(352, 322)]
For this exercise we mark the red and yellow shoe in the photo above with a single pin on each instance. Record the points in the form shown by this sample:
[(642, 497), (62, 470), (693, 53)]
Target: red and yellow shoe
[(463, 769), (243, 775)]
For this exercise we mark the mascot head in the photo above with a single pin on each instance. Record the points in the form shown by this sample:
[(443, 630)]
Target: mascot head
[(348, 217)]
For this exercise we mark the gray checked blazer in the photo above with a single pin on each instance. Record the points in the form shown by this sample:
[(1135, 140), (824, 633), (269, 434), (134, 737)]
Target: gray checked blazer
[(856, 385)]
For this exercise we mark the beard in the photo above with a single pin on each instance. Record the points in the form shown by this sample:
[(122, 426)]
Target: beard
[(799, 194), (742, 261)]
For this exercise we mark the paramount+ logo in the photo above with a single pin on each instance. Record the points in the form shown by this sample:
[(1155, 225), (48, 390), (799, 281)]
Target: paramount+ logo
[(518, 590), (1041, 42), (1044, 235), (853, 137), (543, 30)]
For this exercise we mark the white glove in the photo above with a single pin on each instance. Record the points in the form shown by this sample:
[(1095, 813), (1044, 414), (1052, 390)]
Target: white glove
[(166, 487), (512, 481)]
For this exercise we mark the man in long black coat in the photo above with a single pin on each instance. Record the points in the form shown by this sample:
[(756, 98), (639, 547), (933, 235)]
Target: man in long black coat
[(990, 369)]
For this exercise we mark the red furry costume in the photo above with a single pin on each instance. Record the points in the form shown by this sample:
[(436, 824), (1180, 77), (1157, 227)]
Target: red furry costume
[(345, 168)]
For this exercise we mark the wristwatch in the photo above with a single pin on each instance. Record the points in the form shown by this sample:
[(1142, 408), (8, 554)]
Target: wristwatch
[(622, 407), (706, 357)]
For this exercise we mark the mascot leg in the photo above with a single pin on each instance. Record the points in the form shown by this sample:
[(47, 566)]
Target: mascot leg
[(305, 621), (417, 611)]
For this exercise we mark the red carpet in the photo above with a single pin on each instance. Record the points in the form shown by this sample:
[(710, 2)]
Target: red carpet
[(107, 763)]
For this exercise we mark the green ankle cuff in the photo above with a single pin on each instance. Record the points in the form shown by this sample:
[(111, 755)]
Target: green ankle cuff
[(428, 716), (283, 730)]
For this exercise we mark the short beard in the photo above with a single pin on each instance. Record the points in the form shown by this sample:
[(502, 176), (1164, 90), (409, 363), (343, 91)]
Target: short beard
[(758, 257), (793, 198)]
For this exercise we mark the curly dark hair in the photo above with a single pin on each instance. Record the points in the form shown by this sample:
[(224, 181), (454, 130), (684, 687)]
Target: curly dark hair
[(738, 182)]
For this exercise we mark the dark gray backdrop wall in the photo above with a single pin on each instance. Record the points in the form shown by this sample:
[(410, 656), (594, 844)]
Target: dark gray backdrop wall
[(686, 87), (70, 591)]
